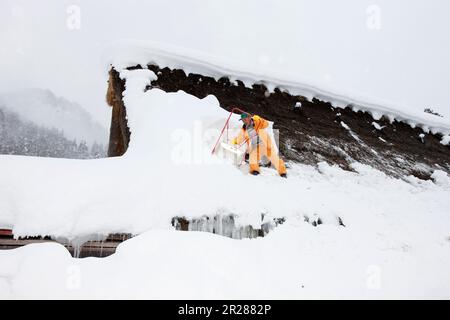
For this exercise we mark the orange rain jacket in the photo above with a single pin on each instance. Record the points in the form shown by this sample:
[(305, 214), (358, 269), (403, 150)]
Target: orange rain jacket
[(254, 136), (258, 134)]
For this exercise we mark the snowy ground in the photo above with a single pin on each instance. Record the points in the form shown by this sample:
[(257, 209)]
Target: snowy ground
[(296, 261), (395, 243)]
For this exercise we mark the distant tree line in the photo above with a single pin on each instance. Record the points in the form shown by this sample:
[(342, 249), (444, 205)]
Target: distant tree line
[(18, 137)]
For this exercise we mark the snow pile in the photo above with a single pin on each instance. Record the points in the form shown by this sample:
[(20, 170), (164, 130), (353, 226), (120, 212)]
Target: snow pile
[(124, 54), (169, 171), (441, 178), (295, 262), (377, 126), (446, 140)]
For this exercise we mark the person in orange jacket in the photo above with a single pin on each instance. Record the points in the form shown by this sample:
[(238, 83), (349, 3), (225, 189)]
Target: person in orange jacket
[(259, 143)]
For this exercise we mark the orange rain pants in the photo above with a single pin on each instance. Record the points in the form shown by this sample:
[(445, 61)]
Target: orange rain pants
[(263, 148)]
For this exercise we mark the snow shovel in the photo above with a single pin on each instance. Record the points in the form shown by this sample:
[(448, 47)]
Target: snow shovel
[(225, 127), (233, 153)]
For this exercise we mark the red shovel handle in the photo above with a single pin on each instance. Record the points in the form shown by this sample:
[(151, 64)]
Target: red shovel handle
[(226, 123)]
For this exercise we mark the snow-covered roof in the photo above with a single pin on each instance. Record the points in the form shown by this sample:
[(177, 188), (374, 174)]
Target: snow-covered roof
[(168, 170), (126, 54)]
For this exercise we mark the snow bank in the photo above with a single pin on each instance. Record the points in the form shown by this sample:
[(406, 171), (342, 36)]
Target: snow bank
[(130, 53), (296, 262)]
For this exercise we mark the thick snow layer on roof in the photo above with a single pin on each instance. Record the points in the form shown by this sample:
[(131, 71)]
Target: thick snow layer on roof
[(169, 171), (131, 53), (394, 243)]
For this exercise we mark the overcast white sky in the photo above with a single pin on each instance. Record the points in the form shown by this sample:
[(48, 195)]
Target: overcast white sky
[(404, 61)]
